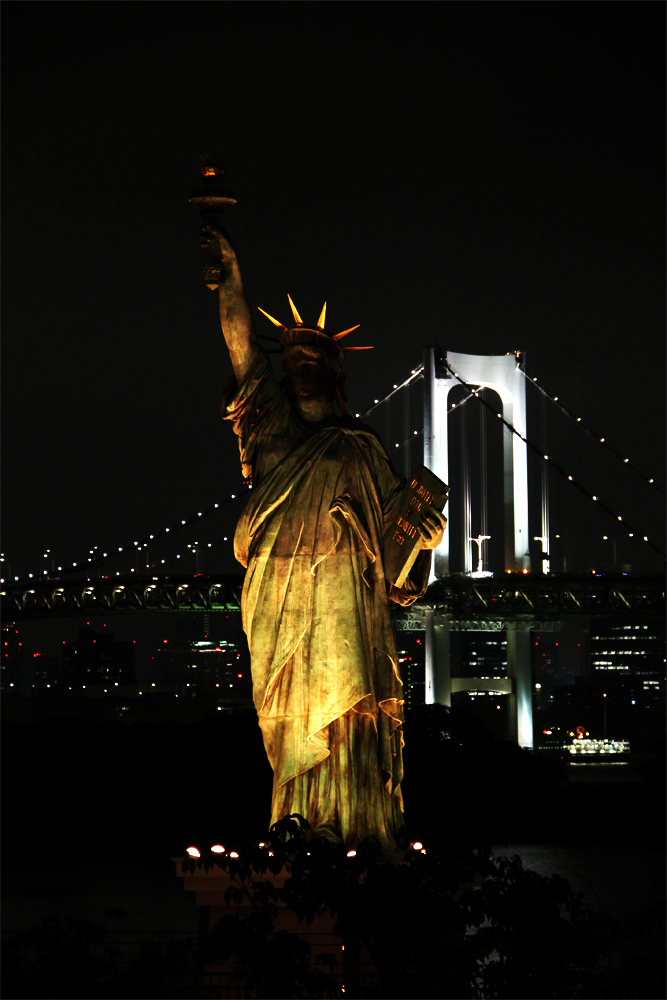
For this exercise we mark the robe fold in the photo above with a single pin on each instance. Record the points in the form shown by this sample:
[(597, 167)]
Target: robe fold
[(326, 683)]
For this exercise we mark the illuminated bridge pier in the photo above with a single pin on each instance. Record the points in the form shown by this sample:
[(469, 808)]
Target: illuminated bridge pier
[(439, 684), (513, 603), (516, 605)]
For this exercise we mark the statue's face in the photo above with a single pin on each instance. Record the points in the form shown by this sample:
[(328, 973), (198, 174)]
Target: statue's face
[(309, 375)]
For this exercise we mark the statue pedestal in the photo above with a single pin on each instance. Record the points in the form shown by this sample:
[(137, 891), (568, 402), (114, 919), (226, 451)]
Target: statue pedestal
[(352, 965)]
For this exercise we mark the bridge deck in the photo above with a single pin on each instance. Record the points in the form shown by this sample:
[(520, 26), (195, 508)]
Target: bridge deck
[(493, 600)]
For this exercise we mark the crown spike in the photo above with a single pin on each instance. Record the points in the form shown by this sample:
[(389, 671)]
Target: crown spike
[(274, 321), (320, 322), (344, 333), (369, 348), (298, 319)]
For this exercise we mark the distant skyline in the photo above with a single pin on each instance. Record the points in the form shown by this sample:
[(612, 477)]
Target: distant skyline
[(484, 177)]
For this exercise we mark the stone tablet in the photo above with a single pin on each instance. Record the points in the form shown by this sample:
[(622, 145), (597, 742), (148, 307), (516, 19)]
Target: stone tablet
[(402, 542)]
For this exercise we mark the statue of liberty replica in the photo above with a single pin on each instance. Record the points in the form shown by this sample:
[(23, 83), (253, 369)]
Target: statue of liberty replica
[(315, 604)]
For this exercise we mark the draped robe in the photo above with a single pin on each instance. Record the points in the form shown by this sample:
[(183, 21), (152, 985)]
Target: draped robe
[(326, 683)]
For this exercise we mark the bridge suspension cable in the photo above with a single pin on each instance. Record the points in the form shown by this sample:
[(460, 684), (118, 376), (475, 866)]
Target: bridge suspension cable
[(554, 399), (557, 468), (596, 437), (415, 374), (96, 562)]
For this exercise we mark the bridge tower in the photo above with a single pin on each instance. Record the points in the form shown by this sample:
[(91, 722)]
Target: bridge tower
[(505, 375)]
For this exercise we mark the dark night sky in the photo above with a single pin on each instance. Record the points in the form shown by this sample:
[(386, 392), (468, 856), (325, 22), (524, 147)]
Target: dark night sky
[(484, 176)]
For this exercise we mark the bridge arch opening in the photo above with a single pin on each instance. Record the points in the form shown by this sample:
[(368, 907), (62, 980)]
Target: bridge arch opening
[(475, 507)]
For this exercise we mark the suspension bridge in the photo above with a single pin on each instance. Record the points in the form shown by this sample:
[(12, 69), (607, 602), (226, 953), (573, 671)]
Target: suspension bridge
[(480, 423)]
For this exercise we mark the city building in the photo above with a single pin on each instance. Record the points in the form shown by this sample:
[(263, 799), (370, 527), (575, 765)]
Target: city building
[(410, 649), (480, 655), (630, 648), (11, 668), (47, 674), (97, 658), (204, 667), (620, 692)]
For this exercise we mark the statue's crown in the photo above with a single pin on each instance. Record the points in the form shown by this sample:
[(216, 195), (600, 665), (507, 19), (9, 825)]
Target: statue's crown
[(314, 336)]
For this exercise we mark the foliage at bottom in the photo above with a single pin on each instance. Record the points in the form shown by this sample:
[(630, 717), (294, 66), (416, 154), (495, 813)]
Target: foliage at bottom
[(450, 923)]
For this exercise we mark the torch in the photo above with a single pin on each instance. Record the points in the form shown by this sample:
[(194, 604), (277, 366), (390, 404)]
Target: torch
[(210, 198)]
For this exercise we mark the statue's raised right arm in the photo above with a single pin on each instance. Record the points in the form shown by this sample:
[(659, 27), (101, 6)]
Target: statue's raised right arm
[(235, 319)]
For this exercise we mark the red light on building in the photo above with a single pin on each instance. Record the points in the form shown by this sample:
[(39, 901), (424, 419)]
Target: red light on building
[(239, 675)]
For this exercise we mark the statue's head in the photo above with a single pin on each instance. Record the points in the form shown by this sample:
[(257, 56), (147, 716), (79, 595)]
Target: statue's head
[(311, 373), (313, 359)]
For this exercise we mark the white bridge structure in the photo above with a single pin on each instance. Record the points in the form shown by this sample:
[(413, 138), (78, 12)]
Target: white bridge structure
[(439, 374), (421, 424), (505, 375)]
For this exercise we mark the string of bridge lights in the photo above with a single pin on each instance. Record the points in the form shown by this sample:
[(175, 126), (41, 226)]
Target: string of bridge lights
[(94, 561), (601, 440), (582, 489), (413, 376), (416, 372), (554, 399), (578, 420)]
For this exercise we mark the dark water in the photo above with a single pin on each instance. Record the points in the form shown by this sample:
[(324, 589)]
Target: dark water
[(615, 880), (76, 797)]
